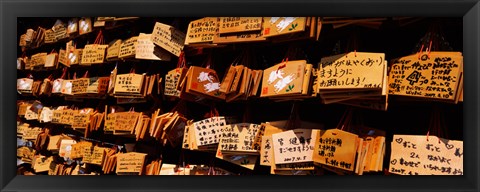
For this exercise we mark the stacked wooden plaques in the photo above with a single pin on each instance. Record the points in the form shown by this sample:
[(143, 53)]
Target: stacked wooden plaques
[(172, 169), (287, 80), (174, 131), (188, 141), (97, 86), (281, 29), (50, 36), (45, 142), (172, 81), (37, 61), (60, 30), (57, 115), (151, 89), (147, 50), (290, 150), (22, 107), (41, 163), (240, 82), (96, 120), (202, 82), (110, 161), (267, 152), (32, 38), (130, 85), (236, 88), (130, 163), (66, 87), (168, 127), (186, 78), (239, 30), (46, 87), (65, 148), (113, 50), (51, 60), (201, 32), (206, 170), (94, 53), (21, 62), (240, 144), (425, 155), (24, 85), (94, 155), (36, 88), (82, 120), (26, 60), (128, 48), (68, 116), (79, 149), (31, 133), (126, 122), (141, 127), (33, 111), (26, 154), (434, 76), (72, 26), (336, 150), (168, 38), (85, 25), (110, 119), (204, 135), (370, 151), (61, 169), (23, 40), (79, 86), (158, 123), (73, 55), (20, 128), (41, 142), (38, 38), (189, 134), (274, 26), (353, 78), (153, 168), (242, 138), (45, 115)]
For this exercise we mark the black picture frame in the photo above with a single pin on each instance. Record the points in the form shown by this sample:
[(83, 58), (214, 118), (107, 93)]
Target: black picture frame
[(10, 10)]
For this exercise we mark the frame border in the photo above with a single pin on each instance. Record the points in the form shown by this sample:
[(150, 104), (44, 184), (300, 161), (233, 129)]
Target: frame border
[(11, 9)]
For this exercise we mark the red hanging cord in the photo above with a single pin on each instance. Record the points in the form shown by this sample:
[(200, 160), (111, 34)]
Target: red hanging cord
[(99, 40), (284, 61), (340, 123), (180, 60), (64, 73), (420, 52), (429, 49)]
